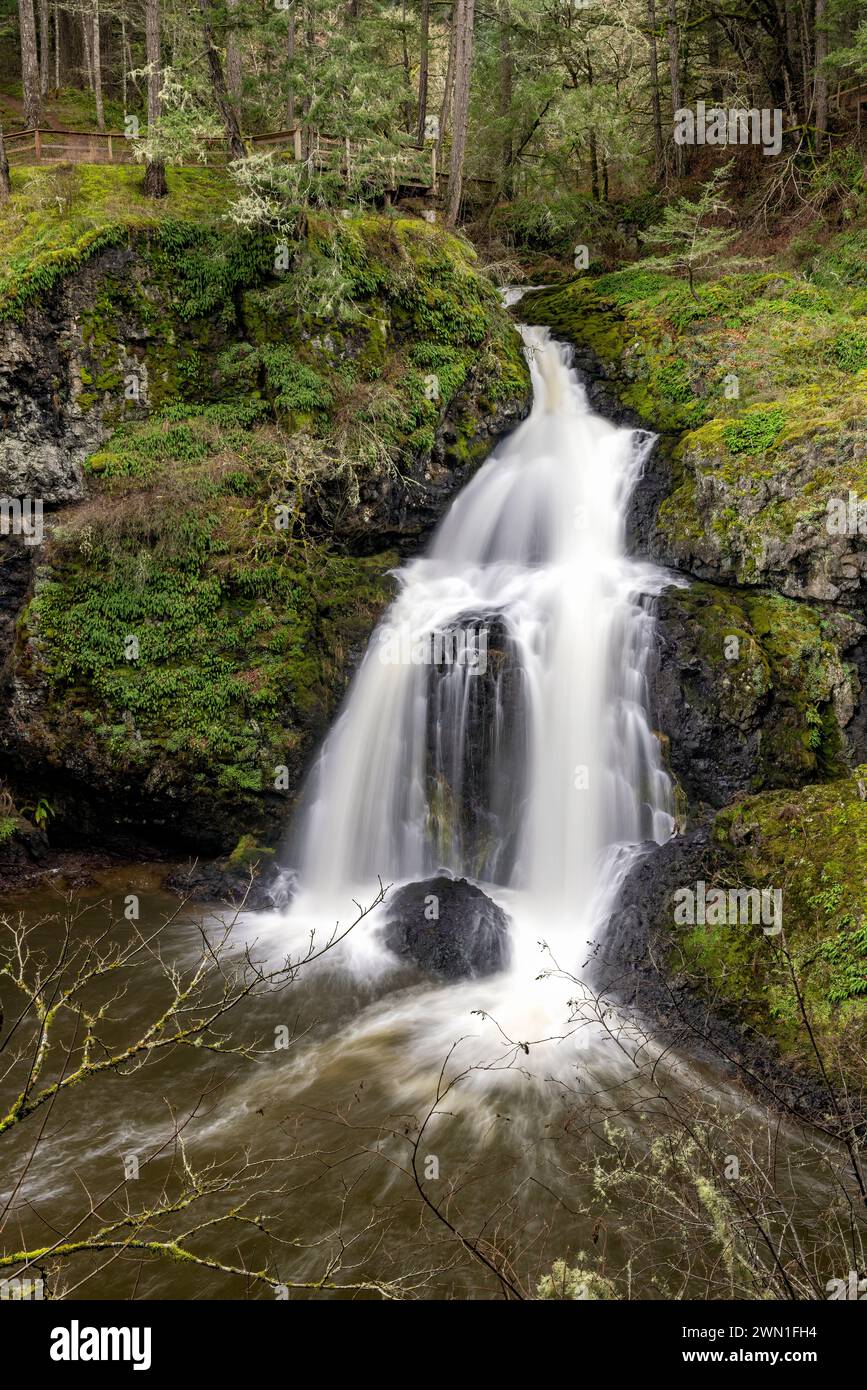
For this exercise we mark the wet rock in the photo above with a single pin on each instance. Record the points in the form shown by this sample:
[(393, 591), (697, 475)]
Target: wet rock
[(53, 411), (753, 690), (258, 887), (638, 962), (449, 927), (477, 737), (23, 848)]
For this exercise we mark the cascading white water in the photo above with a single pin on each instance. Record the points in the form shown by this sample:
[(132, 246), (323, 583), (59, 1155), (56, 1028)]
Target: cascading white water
[(534, 765)]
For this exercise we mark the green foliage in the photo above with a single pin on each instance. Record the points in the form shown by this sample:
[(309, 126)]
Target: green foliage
[(41, 813), (694, 247), (848, 351), (554, 224), (227, 616), (208, 267), (755, 431), (293, 385)]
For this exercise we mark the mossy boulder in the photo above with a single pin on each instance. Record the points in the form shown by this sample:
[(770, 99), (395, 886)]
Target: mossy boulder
[(767, 500), (375, 342), (753, 690), (812, 845), (734, 984)]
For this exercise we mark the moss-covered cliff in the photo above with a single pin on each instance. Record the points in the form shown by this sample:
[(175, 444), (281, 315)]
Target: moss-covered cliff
[(261, 428)]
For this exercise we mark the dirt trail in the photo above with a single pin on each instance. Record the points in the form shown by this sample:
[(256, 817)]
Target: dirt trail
[(15, 104)]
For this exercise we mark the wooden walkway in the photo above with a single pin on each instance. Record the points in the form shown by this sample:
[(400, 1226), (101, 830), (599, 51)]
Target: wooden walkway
[(411, 168)]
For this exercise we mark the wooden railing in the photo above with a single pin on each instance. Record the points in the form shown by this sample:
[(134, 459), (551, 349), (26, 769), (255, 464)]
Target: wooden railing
[(410, 167)]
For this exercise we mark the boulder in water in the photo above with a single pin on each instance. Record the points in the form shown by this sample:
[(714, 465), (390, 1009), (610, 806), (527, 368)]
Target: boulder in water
[(449, 927)]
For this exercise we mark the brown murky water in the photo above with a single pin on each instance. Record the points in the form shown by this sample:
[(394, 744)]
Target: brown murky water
[(507, 1160)]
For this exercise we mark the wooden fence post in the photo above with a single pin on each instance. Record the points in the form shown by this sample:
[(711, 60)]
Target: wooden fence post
[(37, 144)]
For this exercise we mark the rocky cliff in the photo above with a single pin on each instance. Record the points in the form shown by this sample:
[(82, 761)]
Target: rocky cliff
[(235, 438)]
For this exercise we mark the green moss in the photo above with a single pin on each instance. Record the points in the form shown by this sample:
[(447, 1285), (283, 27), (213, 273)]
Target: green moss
[(59, 218), (812, 845), (734, 356), (755, 431), (204, 639), (771, 663), (247, 853)]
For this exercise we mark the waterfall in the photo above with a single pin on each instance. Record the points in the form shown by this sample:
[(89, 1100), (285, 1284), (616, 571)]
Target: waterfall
[(497, 725)]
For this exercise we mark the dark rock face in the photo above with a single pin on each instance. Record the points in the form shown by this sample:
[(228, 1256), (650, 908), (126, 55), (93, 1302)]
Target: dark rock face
[(52, 415), (399, 510), (256, 888), (477, 737), (449, 927), (752, 690)]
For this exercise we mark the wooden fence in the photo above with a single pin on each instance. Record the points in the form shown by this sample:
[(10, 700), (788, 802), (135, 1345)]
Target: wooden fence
[(410, 167)]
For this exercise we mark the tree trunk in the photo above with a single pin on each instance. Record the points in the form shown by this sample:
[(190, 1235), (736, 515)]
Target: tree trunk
[(445, 108), (233, 58), (56, 45), (464, 21), (155, 170), (44, 48), (409, 103), (86, 35), (713, 61), (218, 83), (594, 159), (5, 184), (97, 69), (29, 63), (796, 95), (673, 38), (290, 58), (423, 62), (123, 67), (505, 101), (656, 104), (821, 82)]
